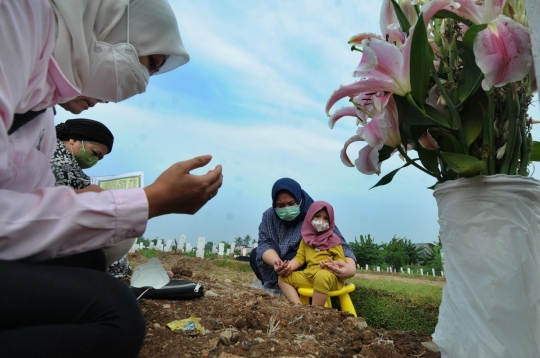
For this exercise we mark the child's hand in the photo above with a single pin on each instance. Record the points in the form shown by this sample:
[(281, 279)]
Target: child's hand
[(282, 268)]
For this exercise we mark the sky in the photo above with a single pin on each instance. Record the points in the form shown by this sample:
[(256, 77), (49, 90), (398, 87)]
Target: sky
[(253, 96)]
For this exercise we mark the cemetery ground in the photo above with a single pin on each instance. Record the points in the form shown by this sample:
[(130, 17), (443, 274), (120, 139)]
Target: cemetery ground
[(242, 321)]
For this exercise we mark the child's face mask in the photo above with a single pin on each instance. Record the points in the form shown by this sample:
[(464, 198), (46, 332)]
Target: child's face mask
[(320, 225)]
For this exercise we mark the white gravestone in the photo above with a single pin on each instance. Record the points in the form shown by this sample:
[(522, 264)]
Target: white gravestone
[(151, 245), (422, 272), (228, 252), (367, 267), (183, 238), (200, 247), (141, 246), (168, 246), (158, 244), (408, 270), (233, 244), (188, 247), (378, 268), (433, 270), (214, 248), (401, 269), (221, 250)]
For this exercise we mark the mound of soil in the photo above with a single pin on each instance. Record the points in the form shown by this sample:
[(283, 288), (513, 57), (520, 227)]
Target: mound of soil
[(240, 320)]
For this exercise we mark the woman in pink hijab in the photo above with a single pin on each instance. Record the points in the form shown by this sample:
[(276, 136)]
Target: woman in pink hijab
[(319, 245)]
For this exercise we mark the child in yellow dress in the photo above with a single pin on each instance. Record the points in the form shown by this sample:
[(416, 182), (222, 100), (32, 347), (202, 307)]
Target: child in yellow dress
[(319, 244)]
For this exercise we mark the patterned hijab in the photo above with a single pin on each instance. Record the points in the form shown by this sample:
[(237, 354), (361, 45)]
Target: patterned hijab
[(320, 240)]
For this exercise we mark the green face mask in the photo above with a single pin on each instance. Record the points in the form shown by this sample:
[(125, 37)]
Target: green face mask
[(288, 213), (85, 159)]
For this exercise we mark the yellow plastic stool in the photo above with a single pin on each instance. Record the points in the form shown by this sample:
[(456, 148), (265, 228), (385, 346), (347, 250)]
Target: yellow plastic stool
[(344, 299)]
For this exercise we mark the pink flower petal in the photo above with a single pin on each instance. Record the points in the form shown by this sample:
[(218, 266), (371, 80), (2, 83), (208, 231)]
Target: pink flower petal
[(390, 24), (374, 133), (357, 39), (368, 160), (503, 52), (428, 142), (342, 112), (343, 155), (392, 123), (435, 100)]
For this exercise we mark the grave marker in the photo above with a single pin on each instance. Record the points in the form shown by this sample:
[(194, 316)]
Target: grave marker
[(408, 270), (231, 255), (200, 247), (221, 250), (181, 243), (188, 247)]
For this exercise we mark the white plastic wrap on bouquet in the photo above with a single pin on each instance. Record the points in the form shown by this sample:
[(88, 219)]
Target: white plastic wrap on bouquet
[(490, 231)]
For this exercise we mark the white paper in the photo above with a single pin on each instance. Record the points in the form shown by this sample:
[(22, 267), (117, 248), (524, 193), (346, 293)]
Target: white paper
[(121, 181)]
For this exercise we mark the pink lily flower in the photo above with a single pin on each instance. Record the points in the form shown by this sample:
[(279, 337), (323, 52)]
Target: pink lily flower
[(477, 12), (342, 112), (435, 99), (503, 52), (368, 157), (383, 68), (357, 39), (428, 142)]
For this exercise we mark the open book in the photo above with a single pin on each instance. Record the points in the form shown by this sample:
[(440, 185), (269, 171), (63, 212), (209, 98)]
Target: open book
[(121, 181)]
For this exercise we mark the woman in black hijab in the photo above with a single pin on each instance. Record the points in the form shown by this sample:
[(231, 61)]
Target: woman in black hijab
[(80, 144), (280, 234)]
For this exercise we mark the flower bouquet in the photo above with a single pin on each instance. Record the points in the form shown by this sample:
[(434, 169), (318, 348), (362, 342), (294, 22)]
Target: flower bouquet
[(449, 79), (452, 80)]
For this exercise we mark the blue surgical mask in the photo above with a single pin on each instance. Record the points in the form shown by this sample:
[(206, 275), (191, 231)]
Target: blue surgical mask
[(288, 213)]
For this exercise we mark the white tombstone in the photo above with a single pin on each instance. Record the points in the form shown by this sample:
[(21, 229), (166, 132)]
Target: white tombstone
[(221, 250), (168, 246), (200, 247), (141, 246), (228, 252), (188, 247), (151, 245), (421, 272), (214, 248), (161, 247), (408, 270), (433, 270), (378, 268), (134, 247), (442, 273), (181, 243), (158, 243), (401, 269), (233, 244), (367, 267), (357, 266)]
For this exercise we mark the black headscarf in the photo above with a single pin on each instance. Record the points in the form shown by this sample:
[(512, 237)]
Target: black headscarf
[(292, 187), (85, 129)]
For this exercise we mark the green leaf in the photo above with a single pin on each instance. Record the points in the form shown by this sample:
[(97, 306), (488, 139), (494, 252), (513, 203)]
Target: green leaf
[(463, 164), (403, 21), (445, 14), (436, 116), (470, 35), (535, 154), (385, 152), (420, 63), (471, 76), (472, 116), (388, 177)]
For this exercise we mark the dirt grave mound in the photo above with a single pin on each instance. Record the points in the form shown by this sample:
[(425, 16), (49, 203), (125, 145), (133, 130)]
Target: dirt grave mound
[(243, 321)]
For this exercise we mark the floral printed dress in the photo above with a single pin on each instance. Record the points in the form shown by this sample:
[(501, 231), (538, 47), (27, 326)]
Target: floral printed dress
[(67, 172)]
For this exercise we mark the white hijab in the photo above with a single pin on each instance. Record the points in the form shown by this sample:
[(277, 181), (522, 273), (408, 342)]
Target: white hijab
[(81, 23)]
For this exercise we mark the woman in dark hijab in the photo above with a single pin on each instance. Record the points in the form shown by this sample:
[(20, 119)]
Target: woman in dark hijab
[(280, 234), (80, 144)]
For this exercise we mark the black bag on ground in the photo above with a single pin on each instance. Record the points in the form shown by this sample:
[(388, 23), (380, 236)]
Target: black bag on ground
[(174, 290)]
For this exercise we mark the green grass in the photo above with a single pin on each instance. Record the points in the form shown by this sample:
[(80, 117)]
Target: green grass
[(397, 305), (232, 264), (149, 253)]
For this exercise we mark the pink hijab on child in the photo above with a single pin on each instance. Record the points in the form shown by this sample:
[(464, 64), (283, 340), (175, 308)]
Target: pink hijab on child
[(320, 240)]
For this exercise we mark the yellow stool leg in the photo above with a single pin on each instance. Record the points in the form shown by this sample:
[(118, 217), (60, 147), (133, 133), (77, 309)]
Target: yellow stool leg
[(304, 300), (346, 304), (328, 303)]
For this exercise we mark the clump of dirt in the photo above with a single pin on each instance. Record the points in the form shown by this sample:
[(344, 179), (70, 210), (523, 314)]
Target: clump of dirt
[(240, 320)]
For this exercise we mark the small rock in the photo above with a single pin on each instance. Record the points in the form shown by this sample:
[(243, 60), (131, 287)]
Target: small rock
[(431, 346), (339, 329), (357, 322), (258, 331), (207, 331), (213, 342), (341, 350), (259, 340), (245, 343), (244, 331), (228, 337), (331, 331), (210, 294), (227, 281), (157, 326), (166, 306), (205, 353)]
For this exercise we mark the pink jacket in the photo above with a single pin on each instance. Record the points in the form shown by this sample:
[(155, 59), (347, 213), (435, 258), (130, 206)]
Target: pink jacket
[(38, 220)]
